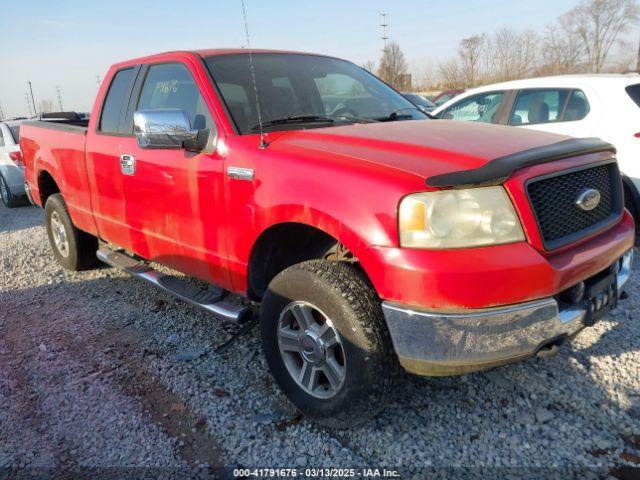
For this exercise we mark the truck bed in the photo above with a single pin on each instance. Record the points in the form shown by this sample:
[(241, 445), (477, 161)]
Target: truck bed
[(57, 149), (75, 126)]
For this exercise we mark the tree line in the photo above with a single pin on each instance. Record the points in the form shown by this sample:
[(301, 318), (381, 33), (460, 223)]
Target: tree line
[(590, 38)]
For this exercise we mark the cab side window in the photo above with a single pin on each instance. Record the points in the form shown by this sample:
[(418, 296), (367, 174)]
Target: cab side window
[(172, 86), (538, 106), (478, 108), (116, 101)]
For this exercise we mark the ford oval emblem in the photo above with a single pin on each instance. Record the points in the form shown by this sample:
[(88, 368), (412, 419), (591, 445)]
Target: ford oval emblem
[(588, 199)]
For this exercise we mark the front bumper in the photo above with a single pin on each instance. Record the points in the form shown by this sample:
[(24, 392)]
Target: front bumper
[(437, 343)]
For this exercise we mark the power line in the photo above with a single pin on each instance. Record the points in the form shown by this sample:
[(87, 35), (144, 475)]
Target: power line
[(384, 23), (59, 98)]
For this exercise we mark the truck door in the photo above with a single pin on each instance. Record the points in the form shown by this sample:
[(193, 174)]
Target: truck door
[(174, 198), (105, 147)]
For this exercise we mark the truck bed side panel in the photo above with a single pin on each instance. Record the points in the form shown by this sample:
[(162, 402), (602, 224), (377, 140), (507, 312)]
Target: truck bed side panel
[(59, 151)]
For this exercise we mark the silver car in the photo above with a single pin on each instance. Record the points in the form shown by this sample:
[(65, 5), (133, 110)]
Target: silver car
[(12, 189)]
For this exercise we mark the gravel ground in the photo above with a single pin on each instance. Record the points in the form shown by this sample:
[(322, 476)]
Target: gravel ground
[(98, 370)]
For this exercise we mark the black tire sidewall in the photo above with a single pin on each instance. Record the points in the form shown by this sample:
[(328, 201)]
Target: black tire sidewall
[(365, 364), (55, 203), (11, 201)]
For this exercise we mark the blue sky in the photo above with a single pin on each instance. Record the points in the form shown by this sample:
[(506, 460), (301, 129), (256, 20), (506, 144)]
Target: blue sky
[(67, 43)]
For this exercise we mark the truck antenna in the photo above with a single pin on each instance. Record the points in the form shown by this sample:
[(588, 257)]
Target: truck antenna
[(263, 141)]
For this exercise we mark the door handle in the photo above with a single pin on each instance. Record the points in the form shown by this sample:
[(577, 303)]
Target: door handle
[(128, 164)]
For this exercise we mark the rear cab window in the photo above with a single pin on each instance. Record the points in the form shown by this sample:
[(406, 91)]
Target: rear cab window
[(115, 103)]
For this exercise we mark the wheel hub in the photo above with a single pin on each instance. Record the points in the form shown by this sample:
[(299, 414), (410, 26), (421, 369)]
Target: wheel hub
[(312, 348)]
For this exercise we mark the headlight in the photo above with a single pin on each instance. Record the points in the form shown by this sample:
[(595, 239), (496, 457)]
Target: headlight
[(459, 219)]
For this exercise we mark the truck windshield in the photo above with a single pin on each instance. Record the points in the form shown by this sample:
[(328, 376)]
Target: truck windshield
[(304, 91)]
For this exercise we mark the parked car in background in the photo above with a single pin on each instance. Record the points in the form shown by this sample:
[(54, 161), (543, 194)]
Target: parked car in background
[(604, 106), (419, 101), (446, 95), (369, 235), (12, 189)]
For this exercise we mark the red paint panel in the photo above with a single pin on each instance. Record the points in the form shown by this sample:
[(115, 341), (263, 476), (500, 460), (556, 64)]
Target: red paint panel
[(184, 211)]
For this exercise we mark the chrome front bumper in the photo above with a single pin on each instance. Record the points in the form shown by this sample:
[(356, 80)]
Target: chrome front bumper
[(436, 343)]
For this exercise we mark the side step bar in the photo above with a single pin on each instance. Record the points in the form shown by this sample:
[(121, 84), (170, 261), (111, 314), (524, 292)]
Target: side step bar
[(210, 301)]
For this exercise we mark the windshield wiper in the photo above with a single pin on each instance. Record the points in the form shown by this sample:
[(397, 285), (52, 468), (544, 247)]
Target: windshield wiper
[(396, 115), (313, 118), (295, 119)]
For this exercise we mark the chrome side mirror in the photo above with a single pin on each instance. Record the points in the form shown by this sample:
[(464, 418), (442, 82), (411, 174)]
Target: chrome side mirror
[(167, 128)]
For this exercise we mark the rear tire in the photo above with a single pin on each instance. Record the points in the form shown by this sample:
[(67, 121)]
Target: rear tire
[(350, 369), (74, 249), (8, 198)]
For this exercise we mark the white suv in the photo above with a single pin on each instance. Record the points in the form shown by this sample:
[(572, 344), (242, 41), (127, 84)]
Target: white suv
[(604, 106)]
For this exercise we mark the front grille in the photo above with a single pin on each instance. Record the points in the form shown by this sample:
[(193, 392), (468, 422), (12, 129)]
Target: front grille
[(553, 199)]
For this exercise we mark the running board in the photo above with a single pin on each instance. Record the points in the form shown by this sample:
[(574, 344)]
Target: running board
[(210, 301)]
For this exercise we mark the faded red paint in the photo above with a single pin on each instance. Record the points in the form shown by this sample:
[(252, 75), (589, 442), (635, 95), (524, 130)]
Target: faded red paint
[(180, 209)]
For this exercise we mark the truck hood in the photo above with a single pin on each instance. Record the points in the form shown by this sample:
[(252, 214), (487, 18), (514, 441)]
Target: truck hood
[(421, 147)]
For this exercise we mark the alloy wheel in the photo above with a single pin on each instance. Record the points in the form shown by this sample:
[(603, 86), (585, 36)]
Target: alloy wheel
[(311, 349), (59, 234)]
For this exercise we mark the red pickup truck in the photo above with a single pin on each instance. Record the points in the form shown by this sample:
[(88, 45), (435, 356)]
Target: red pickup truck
[(370, 235)]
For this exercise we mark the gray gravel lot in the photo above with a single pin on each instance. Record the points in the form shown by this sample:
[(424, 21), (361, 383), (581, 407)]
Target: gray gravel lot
[(93, 374)]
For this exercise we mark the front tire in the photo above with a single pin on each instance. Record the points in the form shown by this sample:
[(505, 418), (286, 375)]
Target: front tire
[(74, 249), (326, 342)]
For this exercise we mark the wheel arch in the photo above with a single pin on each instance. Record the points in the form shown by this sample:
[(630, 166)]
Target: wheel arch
[(47, 186), (286, 243)]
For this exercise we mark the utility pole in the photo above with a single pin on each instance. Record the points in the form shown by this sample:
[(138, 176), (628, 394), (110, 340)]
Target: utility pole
[(26, 97), (384, 23), (35, 109), (1, 113), (59, 99)]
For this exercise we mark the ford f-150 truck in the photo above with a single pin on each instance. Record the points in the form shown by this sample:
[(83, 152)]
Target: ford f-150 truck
[(370, 236)]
